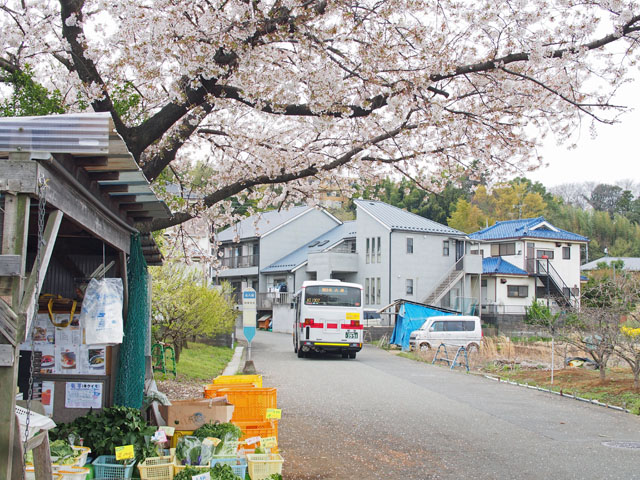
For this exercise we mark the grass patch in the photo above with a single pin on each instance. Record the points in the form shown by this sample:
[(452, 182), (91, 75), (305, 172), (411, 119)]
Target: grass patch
[(617, 389), (203, 362)]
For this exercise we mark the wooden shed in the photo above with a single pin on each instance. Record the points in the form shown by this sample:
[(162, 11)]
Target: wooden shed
[(70, 197)]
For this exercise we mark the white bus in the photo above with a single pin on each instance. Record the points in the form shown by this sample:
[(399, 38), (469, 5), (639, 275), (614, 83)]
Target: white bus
[(328, 318)]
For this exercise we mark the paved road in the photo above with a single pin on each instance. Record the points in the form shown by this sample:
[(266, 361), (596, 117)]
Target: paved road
[(383, 416)]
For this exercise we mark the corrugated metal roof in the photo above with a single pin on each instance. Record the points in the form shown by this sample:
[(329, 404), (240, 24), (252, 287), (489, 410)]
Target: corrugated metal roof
[(397, 219), (525, 228), (319, 244), (631, 264), (94, 144), (498, 265), (260, 224)]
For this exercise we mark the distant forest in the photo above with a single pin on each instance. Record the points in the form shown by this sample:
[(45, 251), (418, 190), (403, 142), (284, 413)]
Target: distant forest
[(609, 215)]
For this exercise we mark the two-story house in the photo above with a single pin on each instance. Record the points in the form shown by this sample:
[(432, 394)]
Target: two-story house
[(526, 259), (254, 243)]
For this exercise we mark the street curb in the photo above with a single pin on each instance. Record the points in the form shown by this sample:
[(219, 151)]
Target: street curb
[(234, 364)]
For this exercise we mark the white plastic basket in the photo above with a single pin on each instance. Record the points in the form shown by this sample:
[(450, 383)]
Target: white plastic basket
[(37, 422)]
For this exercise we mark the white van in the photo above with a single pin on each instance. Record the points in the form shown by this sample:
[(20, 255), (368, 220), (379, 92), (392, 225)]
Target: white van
[(455, 330)]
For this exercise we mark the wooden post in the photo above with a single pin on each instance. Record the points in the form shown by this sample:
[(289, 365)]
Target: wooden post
[(14, 241)]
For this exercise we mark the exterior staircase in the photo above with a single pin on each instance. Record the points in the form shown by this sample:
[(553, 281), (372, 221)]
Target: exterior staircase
[(555, 285), (445, 284)]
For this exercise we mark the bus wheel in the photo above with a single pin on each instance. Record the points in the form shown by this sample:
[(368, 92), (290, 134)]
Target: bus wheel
[(295, 345), (300, 353), (352, 354), (345, 354)]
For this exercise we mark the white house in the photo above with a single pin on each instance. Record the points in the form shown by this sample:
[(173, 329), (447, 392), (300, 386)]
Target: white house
[(526, 259)]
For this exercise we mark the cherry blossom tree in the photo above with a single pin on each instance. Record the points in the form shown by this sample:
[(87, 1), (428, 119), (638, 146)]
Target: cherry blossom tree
[(299, 94)]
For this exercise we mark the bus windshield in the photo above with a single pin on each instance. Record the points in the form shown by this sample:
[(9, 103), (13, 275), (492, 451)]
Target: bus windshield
[(334, 296)]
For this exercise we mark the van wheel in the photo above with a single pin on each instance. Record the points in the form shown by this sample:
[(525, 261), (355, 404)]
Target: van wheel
[(473, 348), (352, 354), (425, 347)]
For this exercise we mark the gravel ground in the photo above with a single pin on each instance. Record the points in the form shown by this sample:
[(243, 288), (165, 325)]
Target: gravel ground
[(382, 416)]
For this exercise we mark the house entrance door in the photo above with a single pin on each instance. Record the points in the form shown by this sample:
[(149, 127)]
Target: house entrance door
[(459, 249), (531, 257)]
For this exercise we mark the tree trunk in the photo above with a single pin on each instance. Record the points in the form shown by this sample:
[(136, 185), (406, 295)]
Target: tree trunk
[(603, 372), (636, 378)]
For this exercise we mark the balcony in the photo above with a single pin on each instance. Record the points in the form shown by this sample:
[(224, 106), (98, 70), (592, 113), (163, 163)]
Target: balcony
[(244, 261)]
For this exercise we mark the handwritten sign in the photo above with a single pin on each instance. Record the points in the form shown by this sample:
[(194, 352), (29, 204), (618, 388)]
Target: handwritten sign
[(274, 413), (202, 476), (160, 436), (269, 442), (252, 440), (168, 430), (125, 452)]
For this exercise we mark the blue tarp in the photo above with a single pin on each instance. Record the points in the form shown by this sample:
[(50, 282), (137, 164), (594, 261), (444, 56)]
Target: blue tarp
[(411, 317)]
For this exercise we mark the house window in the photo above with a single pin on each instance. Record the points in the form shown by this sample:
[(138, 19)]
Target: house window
[(507, 249), (544, 253), (368, 257), (518, 291), (379, 250), (366, 291), (445, 248), (378, 289), (566, 253), (373, 291), (409, 245), (409, 286)]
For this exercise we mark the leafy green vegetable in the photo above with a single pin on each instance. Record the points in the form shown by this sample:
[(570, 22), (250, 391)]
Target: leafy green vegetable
[(274, 476), (188, 473), (218, 472), (226, 432), (60, 448), (112, 427)]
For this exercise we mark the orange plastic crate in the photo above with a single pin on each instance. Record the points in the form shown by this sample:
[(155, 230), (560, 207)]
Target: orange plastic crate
[(267, 428), (255, 380), (210, 391), (250, 403)]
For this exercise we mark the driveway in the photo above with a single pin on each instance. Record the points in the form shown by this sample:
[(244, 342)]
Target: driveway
[(384, 416)]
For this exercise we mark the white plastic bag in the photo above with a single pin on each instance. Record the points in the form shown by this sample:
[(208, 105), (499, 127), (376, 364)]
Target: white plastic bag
[(102, 311)]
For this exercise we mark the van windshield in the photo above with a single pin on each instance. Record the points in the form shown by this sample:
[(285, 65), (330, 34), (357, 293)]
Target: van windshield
[(335, 296)]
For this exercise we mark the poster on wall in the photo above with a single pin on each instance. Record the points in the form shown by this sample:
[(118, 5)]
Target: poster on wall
[(83, 395), (67, 359), (43, 331), (93, 359), (48, 391), (48, 359)]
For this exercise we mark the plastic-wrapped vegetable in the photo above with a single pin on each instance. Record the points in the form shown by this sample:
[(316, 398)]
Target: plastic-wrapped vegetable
[(189, 450)]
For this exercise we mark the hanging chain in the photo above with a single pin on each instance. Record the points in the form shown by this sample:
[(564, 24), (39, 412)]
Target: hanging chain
[(42, 202)]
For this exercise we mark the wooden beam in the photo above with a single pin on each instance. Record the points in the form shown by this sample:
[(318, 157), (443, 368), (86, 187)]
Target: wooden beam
[(10, 265), (101, 176), (124, 199), (118, 188), (91, 161), (8, 323), (14, 241), (128, 207), (33, 286)]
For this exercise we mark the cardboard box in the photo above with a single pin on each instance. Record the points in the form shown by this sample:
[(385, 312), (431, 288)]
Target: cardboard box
[(191, 414)]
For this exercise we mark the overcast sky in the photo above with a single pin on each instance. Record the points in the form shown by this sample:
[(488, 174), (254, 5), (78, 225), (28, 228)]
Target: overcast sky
[(613, 155)]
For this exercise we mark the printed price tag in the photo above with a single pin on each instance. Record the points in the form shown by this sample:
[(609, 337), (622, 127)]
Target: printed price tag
[(252, 440), (202, 476), (274, 413), (269, 442), (168, 430), (124, 452)]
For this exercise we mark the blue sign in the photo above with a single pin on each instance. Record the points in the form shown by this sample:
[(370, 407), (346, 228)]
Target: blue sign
[(249, 333), (249, 294)]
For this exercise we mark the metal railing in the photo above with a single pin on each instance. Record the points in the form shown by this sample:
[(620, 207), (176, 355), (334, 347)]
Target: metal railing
[(544, 267), (445, 282), (240, 262)]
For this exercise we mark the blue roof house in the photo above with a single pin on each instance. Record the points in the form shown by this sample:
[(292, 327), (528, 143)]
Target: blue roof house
[(526, 259)]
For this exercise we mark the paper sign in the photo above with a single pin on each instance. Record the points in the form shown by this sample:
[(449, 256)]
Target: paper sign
[(168, 430), (124, 452), (269, 442), (83, 395), (202, 476), (274, 413), (159, 436), (252, 440)]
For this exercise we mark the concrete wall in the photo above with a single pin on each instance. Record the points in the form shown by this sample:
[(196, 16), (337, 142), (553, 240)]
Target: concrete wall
[(283, 318)]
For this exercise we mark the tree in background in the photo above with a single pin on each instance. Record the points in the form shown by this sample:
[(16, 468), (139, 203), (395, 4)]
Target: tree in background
[(299, 94), (628, 347), (183, 305), (28, 98), (467, 217)]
